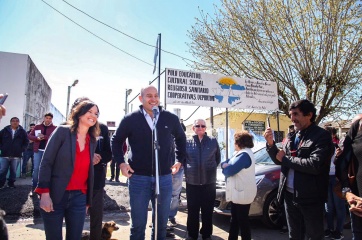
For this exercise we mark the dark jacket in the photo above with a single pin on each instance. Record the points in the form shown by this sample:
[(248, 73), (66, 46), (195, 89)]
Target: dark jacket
[(30, 146), (104, 149), (311, 165), (13, 147), (135, 127), (57, 164), (202, 160), (46, 134), (352, 151)]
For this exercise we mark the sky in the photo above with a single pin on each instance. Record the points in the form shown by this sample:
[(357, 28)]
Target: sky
[(63, 51)]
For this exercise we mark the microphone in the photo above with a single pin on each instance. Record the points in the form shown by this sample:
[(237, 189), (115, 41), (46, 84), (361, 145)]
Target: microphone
[(155, 111)]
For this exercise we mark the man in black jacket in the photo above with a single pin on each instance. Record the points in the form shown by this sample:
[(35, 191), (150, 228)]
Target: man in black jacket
[(13, 142), (138, 127), (203, 157), (305, 163)]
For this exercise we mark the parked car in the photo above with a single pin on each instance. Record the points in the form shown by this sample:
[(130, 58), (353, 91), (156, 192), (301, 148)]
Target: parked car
[(265, 204)]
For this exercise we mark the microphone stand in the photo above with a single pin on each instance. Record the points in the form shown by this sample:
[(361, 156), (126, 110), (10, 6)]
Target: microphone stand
[(157, 185)]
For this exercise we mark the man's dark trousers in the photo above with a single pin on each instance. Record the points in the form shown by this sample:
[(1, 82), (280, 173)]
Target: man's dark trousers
[(26, 156), (114, 165), (200, 197), (96, 214), (304, 216)]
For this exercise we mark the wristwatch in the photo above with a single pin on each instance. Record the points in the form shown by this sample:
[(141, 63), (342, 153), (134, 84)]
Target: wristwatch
[(345, 190)]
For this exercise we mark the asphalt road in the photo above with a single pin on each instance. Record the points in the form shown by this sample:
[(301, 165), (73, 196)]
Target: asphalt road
[(33, 229)]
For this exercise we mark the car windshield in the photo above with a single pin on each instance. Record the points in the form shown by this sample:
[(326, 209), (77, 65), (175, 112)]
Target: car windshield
[(262, 157)]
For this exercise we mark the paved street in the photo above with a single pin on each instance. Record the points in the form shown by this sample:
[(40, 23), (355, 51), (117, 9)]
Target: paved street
[(33, 229), (22, 225)]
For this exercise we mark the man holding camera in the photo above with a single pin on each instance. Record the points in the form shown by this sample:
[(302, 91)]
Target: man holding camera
[(305, 161)]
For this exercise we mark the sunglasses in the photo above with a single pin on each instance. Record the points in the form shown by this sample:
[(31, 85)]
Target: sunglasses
[(198, 126)]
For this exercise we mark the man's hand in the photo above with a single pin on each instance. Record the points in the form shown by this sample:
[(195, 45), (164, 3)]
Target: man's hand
[(268, 135), (355, 204), (40, 136), (96, 158), (46, 202), (2, 108), (338, 152), (126, 170), (280, 155), (175, 167)]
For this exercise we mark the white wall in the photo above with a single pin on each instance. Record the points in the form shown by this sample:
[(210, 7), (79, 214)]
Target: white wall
[(13, 69), (29, 93), (58, 117), (38, 95)]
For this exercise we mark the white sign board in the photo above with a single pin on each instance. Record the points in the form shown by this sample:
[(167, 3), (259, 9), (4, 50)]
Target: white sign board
[(216, 90)]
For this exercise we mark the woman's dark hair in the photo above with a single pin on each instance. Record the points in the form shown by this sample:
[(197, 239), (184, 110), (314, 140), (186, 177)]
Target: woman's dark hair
[(79, 110), (78, 100), (243, 139)]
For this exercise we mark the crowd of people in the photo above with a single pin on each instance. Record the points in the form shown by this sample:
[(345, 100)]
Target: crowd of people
[(69, 171)]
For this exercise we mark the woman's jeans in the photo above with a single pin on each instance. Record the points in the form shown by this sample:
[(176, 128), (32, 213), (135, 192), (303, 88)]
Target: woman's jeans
[(72, 207)]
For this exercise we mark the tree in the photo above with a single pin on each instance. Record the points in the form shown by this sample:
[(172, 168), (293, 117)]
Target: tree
[(311, 48)]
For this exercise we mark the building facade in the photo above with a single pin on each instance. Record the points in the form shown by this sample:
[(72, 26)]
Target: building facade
[(29, 93)]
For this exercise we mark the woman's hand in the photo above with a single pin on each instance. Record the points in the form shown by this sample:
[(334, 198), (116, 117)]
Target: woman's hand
[(224, 165), (46, 203)]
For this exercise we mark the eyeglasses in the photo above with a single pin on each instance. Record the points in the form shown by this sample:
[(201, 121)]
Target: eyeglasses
[(198, 126)]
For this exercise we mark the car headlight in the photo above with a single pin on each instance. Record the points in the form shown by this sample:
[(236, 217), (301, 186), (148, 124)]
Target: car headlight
[(258, 178)]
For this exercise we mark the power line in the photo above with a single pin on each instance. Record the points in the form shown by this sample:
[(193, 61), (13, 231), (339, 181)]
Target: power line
[(115, 29), (192, 113), (96, 35)]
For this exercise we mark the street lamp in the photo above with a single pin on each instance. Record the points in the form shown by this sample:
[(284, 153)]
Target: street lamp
[(128, 92), (74, 83)]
